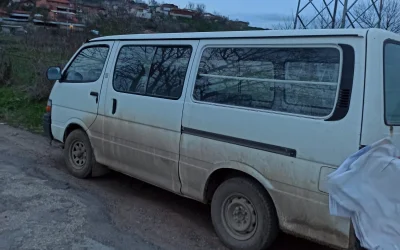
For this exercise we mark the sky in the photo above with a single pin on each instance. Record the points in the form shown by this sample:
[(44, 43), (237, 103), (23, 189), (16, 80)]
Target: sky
[(260, 13)]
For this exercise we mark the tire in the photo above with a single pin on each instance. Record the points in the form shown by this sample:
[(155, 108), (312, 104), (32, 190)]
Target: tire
[(78, 154), (243, 215)]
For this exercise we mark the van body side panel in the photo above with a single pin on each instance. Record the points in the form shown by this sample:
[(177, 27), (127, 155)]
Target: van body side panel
[(374, 127), (139, 135), (264, 142)]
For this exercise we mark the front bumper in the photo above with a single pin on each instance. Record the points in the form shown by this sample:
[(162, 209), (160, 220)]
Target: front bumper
[(47, 126)]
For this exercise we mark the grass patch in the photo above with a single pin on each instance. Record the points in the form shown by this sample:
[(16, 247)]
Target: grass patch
[(24, 89), (18, 110)]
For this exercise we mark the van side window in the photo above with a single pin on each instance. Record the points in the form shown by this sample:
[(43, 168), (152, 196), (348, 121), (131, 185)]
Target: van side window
[(153, 71), (392, 83), (87, 65), (133, 68), (293, 80), (168, 72)]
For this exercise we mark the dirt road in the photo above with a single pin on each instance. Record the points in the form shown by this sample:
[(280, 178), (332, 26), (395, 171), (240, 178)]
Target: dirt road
[(43, 207)]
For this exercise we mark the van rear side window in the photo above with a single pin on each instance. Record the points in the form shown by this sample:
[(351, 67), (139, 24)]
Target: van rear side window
[(392, 83), (292, 80)]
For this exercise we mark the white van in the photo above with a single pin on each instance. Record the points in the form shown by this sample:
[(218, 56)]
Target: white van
[(251, 122)]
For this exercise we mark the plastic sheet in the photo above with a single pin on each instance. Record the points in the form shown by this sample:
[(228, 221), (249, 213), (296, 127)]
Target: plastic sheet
[(366, 188)]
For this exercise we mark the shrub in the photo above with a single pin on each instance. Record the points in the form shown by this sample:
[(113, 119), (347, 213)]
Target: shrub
[(5, 69)]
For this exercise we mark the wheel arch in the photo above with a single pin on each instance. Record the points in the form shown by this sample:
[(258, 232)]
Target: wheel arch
[(74, 124), (228, 170)]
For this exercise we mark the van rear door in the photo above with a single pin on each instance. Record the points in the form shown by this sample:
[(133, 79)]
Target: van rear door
[(76, 96), (382, 88)]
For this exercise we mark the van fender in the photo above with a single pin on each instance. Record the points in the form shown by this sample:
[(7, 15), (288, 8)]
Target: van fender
[(59, 129), (242, 167), (76, 121)]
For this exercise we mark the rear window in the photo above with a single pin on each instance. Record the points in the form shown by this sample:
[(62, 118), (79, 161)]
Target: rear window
[(392, 83), (291, 80)]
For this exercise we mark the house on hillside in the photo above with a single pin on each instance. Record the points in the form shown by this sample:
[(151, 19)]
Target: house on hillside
[(141, 10), (90, 12), (60, 20), (65, 16), (60, 13), (44, 4), (208, 16), (143, 13), (3, 14), (212, 17), (61, 5), (182, 13), (166, 8), (18, 16), (141, 5)]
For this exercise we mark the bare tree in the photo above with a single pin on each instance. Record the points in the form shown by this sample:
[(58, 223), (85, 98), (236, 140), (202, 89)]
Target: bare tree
[(153, 3), (324, 21), (321, 21), (3, 3), (191, 6), (285, 24), (369, 18), (201, 8)]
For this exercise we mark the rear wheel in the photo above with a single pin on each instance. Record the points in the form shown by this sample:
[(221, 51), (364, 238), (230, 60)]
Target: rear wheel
[(243, 215), (78, 154)]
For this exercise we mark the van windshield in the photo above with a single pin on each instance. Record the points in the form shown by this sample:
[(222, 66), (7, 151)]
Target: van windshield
[(392, 82)]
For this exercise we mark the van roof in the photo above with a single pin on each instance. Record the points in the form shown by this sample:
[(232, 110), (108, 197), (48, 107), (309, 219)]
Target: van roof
[(237, 34)]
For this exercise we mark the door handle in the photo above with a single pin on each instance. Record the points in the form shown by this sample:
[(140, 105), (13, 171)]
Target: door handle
[(114, 106), (95, 94)]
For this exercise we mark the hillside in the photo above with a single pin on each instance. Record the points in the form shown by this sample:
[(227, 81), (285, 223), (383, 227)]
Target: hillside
[(117, 17), (111, 25), (159, 18), (25, 56)]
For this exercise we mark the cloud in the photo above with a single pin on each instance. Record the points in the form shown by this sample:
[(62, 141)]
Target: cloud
[(266, 20)]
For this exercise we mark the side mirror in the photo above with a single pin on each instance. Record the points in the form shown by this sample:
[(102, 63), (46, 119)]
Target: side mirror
[(54, 73)]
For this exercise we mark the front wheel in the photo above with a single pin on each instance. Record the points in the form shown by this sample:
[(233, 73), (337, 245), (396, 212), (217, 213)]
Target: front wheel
[(244, 215), (78, 154)]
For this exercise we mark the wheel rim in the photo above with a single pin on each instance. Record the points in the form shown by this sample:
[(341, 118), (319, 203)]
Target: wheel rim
[(78, 154), (239, 217)]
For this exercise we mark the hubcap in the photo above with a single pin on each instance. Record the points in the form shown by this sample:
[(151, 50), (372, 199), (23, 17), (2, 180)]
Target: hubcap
[(78, 154), (239, 217)]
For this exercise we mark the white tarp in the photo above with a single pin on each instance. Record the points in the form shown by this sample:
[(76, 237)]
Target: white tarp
[(366, 188)]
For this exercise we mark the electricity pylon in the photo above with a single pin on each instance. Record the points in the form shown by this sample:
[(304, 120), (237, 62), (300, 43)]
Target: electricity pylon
[(335, 13)]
